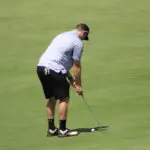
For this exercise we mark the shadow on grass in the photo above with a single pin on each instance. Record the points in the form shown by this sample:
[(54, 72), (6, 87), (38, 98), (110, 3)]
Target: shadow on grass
[(93, 129)]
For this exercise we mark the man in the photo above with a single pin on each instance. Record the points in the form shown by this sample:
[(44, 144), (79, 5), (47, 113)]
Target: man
[(62, 54)]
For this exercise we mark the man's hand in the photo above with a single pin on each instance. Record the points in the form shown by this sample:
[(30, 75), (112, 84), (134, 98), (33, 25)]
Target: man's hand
[(71, 80), (79, 90)]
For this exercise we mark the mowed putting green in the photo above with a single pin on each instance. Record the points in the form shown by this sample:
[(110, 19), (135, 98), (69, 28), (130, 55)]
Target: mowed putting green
[(116, 73)]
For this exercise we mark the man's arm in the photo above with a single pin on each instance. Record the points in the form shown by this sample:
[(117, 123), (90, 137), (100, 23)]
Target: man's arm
[(76, 67), (76, 80), (76, 70)]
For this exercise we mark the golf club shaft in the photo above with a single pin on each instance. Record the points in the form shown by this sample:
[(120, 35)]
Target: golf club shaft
[(72, 82), (91, 112)]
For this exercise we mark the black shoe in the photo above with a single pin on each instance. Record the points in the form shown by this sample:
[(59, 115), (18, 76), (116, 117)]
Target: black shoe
[(52, 132), (67, 132)]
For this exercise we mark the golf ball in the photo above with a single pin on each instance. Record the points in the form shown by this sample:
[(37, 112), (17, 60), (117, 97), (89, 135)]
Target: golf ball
[(92, 130)]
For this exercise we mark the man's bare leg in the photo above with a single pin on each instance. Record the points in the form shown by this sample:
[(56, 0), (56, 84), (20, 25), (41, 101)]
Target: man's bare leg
[(50, 108), (63, 113)]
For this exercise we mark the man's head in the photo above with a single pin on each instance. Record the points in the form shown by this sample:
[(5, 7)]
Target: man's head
[(82, 31)]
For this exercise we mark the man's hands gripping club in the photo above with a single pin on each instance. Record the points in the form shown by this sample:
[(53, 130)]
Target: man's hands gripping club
[(76, 81), (72, 81)]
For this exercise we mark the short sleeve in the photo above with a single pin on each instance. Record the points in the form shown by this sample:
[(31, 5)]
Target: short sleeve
[(77, 51)]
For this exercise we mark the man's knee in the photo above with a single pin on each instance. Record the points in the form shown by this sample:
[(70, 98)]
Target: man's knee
[(51, 102), (66, 100)]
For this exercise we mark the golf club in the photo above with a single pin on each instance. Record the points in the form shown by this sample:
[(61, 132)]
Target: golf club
[(71, 80)]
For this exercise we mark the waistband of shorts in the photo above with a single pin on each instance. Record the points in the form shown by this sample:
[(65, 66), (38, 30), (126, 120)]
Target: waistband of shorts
[(50, 70)]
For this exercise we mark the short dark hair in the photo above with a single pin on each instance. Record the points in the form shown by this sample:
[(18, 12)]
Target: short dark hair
[(83, 26)]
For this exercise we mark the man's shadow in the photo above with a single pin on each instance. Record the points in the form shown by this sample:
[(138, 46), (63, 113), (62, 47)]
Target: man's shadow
[(93, 129)]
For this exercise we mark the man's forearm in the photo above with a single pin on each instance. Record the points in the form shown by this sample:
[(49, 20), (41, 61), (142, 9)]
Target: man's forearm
[(76, 70)]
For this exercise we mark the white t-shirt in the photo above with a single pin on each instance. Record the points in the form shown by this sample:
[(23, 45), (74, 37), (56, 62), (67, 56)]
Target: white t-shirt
[(60, 54)]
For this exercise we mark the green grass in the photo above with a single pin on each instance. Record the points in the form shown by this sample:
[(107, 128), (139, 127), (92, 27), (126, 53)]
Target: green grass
[(116, 73)]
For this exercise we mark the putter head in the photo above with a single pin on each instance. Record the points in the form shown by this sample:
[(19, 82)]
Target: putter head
[(101, 128), (93, 129)]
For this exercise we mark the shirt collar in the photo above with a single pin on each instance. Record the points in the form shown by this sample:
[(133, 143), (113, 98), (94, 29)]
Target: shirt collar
[(75, 33)]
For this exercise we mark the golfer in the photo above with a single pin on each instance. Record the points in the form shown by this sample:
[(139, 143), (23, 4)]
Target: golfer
[(63, 53)]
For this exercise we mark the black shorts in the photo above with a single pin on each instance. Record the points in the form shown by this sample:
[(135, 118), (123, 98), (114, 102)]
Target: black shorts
[(53, 84)]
